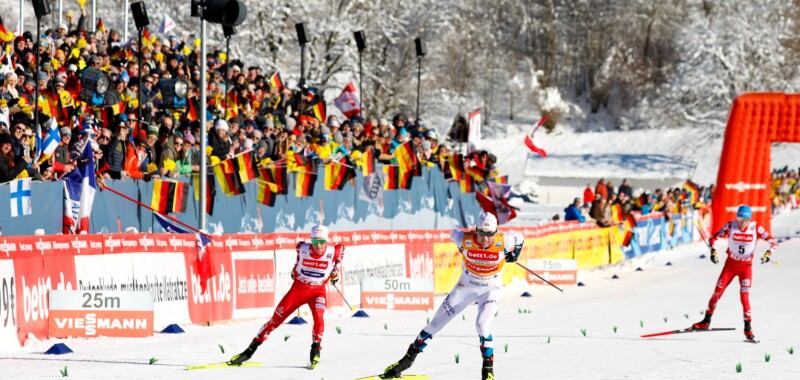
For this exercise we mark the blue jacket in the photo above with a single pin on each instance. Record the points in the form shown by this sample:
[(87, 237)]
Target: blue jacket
[(573, 213)]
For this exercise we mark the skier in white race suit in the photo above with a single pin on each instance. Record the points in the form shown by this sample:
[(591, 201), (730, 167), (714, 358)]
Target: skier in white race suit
[(484, 252)]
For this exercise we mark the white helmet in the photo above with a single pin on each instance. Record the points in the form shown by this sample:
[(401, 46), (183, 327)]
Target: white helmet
[(319, 232), (487, 222)]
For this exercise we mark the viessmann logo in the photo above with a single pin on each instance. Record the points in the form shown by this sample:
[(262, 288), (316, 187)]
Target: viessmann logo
[(92, 323), (742, 187)]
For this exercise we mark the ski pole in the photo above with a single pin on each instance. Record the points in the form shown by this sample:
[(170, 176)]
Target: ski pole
[(540, 277), (701, 235), (343, 299)]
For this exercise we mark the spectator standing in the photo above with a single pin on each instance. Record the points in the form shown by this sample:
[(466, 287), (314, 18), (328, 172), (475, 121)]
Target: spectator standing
[(588, 195)]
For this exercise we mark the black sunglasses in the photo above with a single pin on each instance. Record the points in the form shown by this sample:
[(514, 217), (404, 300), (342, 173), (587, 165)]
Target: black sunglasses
[(485, 234)]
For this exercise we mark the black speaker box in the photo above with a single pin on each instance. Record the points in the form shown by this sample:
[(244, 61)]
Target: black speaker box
[(421, 50), (302, 35), (361, 40), (140, 15), (41, 8)]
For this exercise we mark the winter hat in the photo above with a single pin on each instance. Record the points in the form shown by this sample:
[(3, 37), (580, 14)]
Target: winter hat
[(65, 131), (189, 138), (319, 232), (248, 144), (5, 138), (290, 123), (221, 124), (487, 222), (402, 132), (338, 137)]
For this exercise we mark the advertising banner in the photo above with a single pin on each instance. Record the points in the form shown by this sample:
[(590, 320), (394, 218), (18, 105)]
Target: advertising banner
[(397, 293), (559, 272), (9, 302), (89, 314)]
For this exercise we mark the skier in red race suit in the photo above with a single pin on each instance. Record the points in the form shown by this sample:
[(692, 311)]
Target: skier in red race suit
[(317, 263), (742, 236)]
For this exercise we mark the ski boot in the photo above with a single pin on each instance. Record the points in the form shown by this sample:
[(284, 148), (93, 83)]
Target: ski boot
[(238, 359), (487, 370), (395, 370), (703, 325), (748, 332), (315, 348)]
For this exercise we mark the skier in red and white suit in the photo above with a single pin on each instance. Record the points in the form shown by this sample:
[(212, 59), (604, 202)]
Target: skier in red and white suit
[(742, 236), (317, 263)]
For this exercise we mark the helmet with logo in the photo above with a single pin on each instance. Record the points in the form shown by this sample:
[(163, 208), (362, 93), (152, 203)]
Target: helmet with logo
[(319, 232), (744, 211), (487, 222)]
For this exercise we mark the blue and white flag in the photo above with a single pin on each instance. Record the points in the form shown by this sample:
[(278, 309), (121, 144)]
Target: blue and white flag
[(201, 240), (21, 197), (45, 147)]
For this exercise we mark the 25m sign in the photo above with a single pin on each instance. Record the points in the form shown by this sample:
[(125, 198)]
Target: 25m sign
[(90, 314)]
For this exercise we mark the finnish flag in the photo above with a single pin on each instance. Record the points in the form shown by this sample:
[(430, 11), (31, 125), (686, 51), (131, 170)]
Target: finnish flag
[(21, 197)]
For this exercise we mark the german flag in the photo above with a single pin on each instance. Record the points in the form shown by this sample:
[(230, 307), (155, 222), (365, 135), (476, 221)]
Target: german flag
[(228, 178), (629, 222), (405, 179), (392, 177), (406, 158), (246, 167), (232, 105), (337, 173), (267, 193), (276, 82), (193, 109), (467, 184), (109, 113), (627, 237), (100, 26), (146, 40), (692, 192), (169, 196), (456, 166), (616, 213), (500, 179), (211, 191), (368, 162), (478, 174), (320, 111), (277, 175), (5, 36), (305, 182)]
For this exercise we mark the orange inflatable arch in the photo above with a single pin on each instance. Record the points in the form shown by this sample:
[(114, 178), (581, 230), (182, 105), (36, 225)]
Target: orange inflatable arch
[(756, 121)]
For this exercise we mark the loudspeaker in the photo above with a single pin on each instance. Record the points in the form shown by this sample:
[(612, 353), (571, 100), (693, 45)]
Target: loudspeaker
[(41, 8), (225, 12), (302, 36), (361, 40), (140, 15), (421, 50), (228, 31)]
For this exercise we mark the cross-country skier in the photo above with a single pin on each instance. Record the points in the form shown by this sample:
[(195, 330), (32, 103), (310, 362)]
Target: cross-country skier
[(484, 252), (317, 263), (742, 236)]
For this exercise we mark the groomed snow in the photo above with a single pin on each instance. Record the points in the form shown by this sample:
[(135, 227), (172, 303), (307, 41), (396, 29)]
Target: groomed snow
[(364, 347)]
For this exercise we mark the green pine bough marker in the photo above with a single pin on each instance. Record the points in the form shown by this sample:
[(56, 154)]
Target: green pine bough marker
[(338, 330), (548, 339), (153, 360), (427, 320), (738, 367), (221, 348), (686, 316), (615, 329), (458, 358), (665, 319), (790, 350), (286, 337), (583, 331), (641, 323), (767, 357), (506, 348), (463, 317), (385, 326), (64, 372)]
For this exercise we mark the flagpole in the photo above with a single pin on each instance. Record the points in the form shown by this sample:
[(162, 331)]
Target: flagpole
[(125, 24), (61, 14), (203, 131), (156, 212), (94, 22), (21, 22)]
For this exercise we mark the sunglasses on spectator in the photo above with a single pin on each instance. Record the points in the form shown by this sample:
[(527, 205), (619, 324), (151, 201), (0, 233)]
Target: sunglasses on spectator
[(101, 137), (318, 241), (485, 234), (19, 128)]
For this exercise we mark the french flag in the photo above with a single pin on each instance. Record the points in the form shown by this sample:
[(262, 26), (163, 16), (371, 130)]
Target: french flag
[(80, 185)]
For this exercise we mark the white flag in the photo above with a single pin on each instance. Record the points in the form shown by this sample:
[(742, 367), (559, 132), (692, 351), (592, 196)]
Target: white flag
[(166, 25), (21, 197), (372, 190), (474, 139)]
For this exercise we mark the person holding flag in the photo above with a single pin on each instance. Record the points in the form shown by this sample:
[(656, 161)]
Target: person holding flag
[(743, 234), (317, 263), (485, 251)]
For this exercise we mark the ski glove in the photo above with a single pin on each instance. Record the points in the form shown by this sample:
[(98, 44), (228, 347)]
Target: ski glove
[(714, 257), (514, 255), (765, 258), (334, 278)]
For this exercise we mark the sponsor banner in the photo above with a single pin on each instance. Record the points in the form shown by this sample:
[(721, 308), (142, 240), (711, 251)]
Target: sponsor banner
[(161, 274), (254, 285), (21, 247), (35, 277), (591, 247), (559, 272), (615, 237), (419, 260), (370, 261), (145, 243), (446, 267), (216, 304), (89, 314), (397, 293), (9, 302)]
